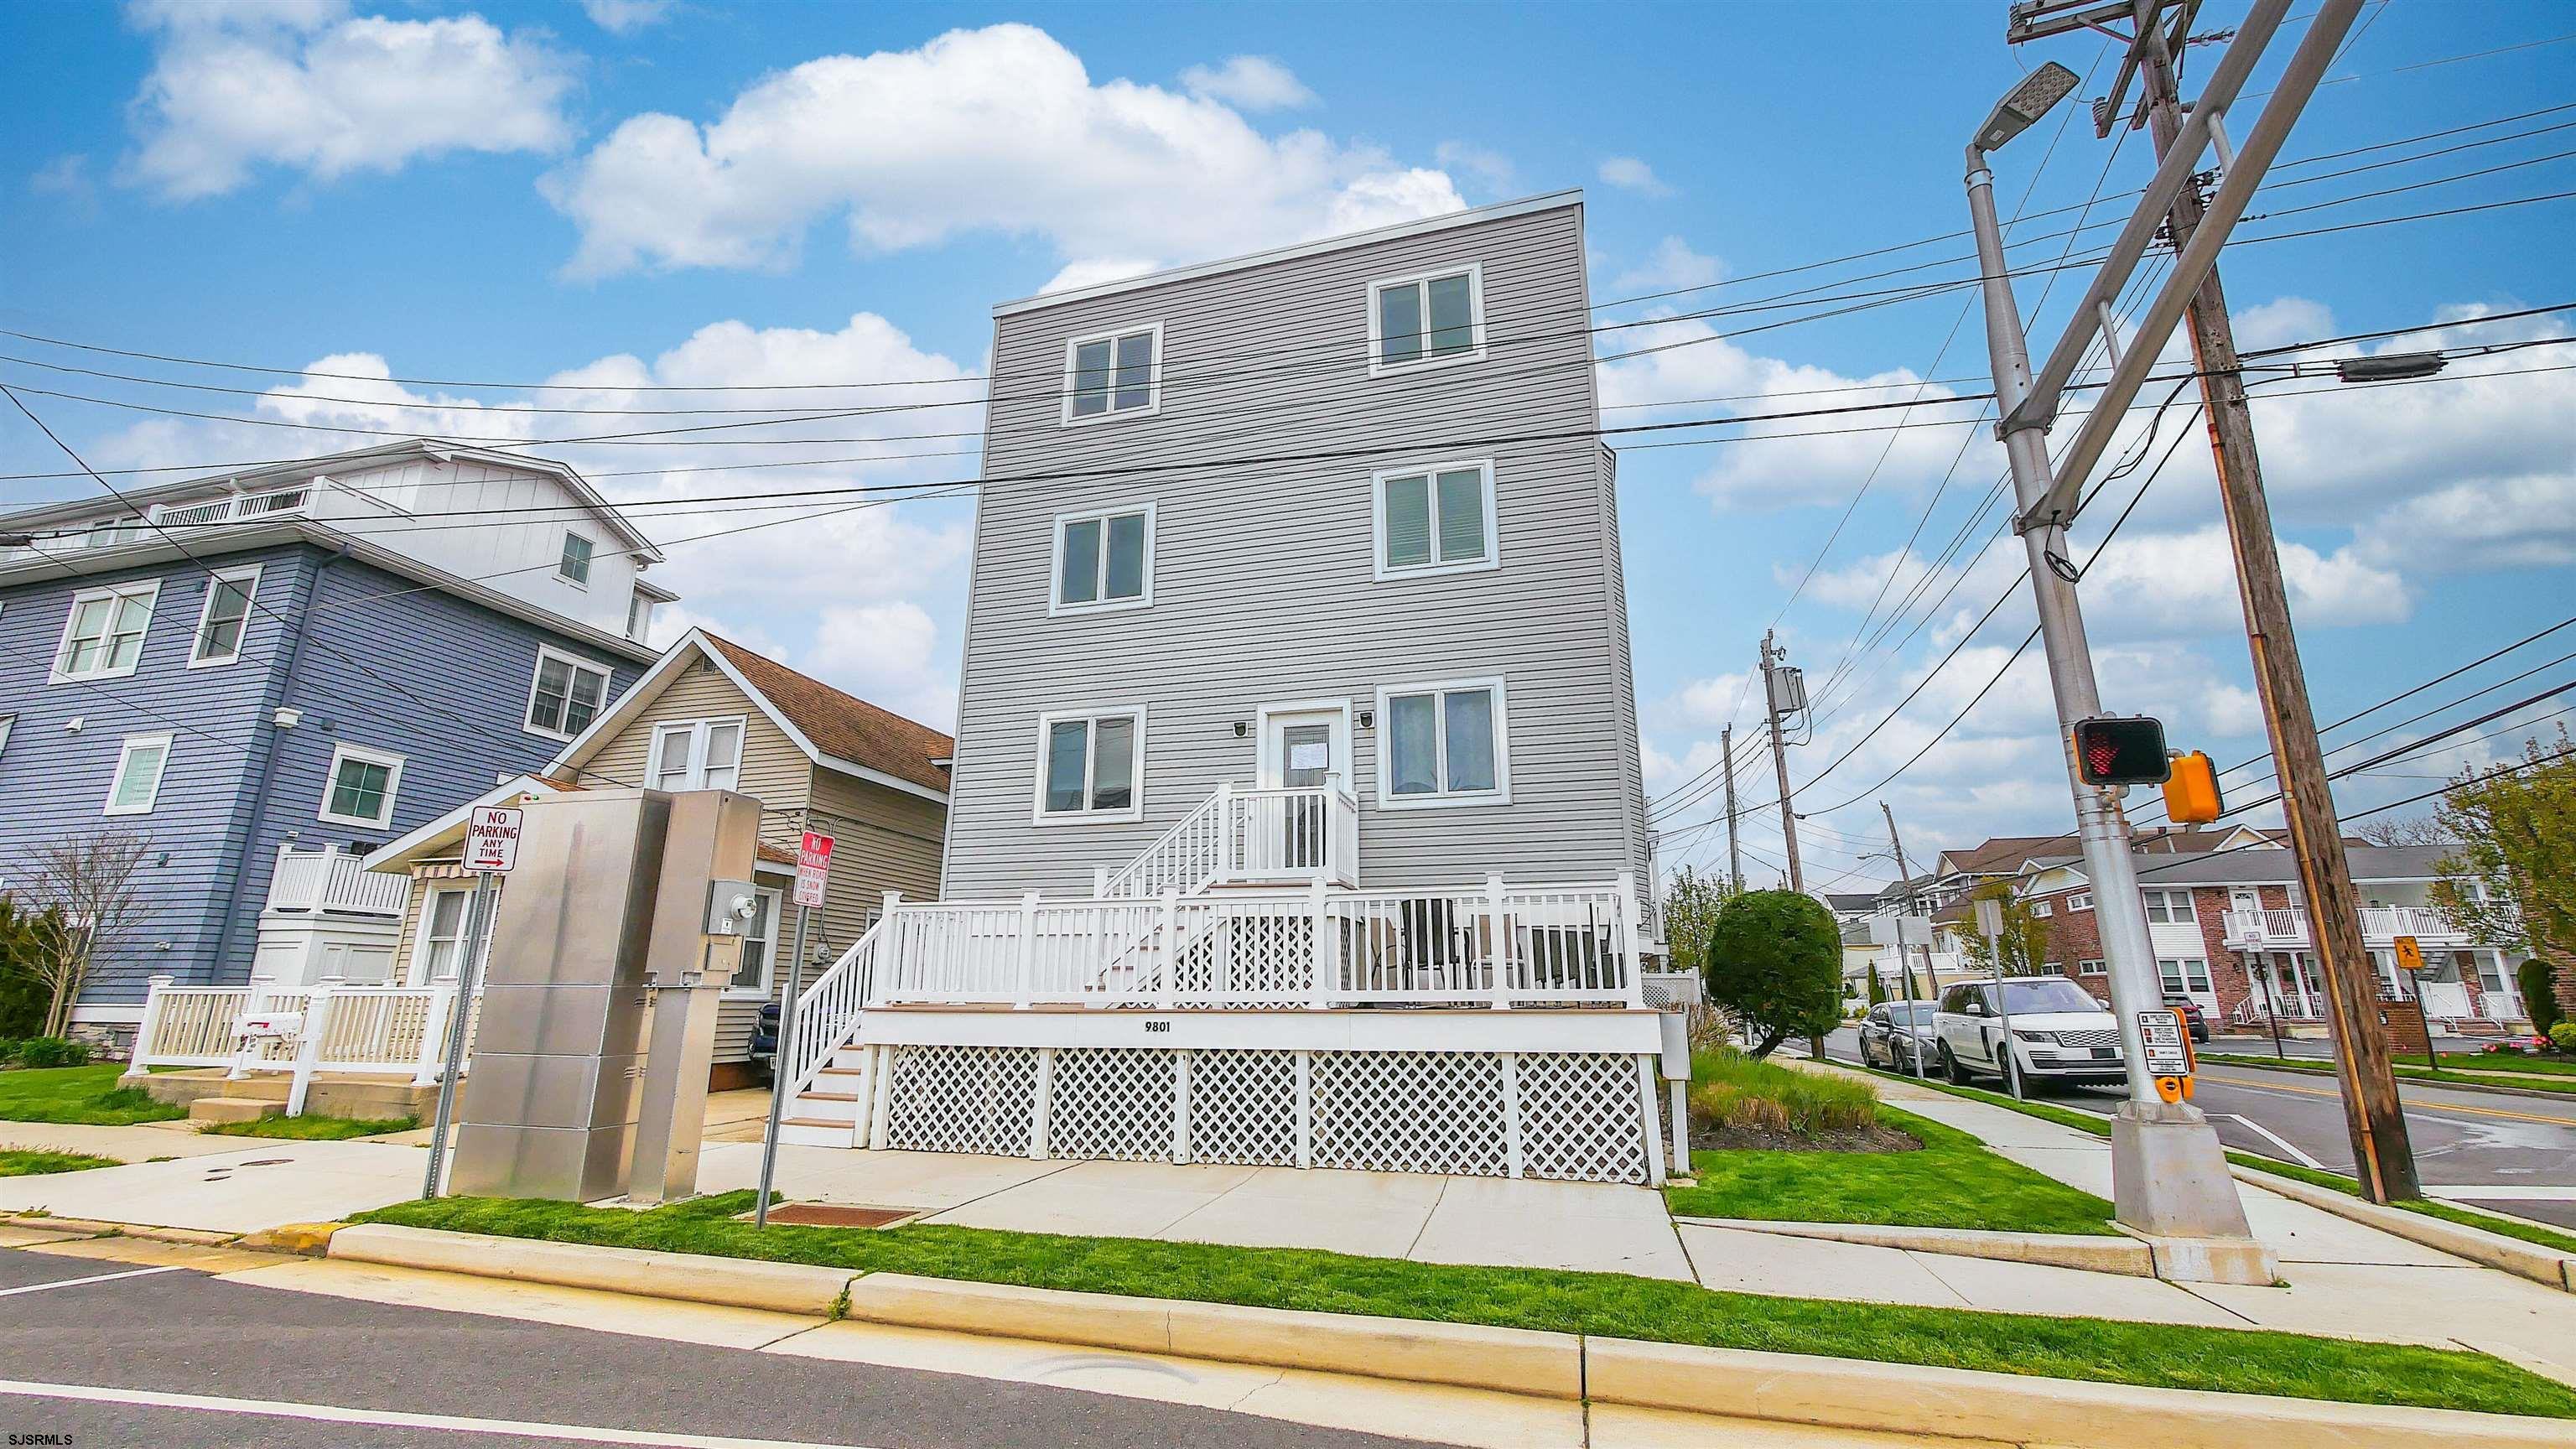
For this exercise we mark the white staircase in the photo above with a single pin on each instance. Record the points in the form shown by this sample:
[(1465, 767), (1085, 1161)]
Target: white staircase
[(826, 1113)]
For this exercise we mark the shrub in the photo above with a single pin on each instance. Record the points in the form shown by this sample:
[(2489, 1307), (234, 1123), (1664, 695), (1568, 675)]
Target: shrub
[(1775, 959), (1730, 1089), (2538, 996), (53, 1051), (9, 1049), (2563, 1037)]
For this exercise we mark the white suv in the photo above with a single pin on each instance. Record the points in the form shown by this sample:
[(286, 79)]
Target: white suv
[(2058, 1033)]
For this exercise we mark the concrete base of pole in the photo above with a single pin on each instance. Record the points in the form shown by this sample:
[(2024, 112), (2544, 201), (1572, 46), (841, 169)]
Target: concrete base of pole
[(2170, 1186)]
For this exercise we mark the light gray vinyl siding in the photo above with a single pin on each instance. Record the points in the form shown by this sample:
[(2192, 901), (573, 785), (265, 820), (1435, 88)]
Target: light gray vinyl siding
[(1263, 587)]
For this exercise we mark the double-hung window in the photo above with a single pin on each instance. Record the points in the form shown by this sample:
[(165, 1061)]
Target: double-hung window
[(103, 635), (1104, 559), (759, 945), (2169, 908), (2080, 901), (1091, 766), (1114, 374), (441, 948), (139, 767), (1435, 520), (574, 567), (2043, 909), (2184, 975), (226, 616), (703, 754), (1426, 319), (1442, 744), (2091, 966), (361, 786), (566, 694)]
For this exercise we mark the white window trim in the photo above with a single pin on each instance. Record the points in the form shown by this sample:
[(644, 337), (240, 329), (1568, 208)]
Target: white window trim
[(6, 721), (1056, 604), (124, 757), (588, 561), (1475, 352), (341, 754), (206, 613), (149, 590), (2094, 966), (416, 970), (2080, 901), (1380, 569), (1135, 811), (1501, 794), (528, 711), (695, 731), (1153, 375), (768, 988), (2042, 910)]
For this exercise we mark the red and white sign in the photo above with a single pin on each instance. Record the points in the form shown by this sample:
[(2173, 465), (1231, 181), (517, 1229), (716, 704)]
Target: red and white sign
[(813, 865), (492, 838)]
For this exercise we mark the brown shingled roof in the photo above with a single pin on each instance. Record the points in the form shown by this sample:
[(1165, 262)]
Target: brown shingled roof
[(844, 725)]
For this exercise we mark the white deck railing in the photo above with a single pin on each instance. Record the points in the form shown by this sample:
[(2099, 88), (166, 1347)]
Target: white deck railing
[(329, 1027), (1247, 837), (1495, 945), (329, 880)]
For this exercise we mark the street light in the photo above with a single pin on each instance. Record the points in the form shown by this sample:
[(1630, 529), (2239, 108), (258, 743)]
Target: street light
[(2168, 1170)]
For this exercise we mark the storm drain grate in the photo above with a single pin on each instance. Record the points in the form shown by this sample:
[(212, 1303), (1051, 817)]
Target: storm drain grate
[(831, 1215)]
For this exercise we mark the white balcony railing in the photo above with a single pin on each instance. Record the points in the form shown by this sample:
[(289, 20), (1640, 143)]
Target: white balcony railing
[(332, 880), (1313, 947), (1247, 837), (328, 1027), (2281, 929), (2288, 930), (237, 507), (2384, 923)]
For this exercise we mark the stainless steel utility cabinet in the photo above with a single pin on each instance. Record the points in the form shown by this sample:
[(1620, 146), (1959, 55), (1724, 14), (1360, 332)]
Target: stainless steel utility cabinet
[(550, 1102), (701, 910)]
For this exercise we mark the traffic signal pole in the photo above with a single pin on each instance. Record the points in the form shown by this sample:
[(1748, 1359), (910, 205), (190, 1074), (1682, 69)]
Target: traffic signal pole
[(2169, 1172), (2373, 1114)]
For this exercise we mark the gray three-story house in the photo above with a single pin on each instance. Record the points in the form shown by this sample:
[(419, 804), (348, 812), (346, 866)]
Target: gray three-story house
[(1296, 691), (266, 674)]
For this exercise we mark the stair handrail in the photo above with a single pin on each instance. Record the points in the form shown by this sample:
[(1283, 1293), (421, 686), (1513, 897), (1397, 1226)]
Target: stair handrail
[(1166, 862), (827, 1012)]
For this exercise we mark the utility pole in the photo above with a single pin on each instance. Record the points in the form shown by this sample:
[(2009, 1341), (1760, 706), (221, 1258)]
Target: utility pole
[(1905, 878), (1726, 762), (1771, 672), (2372, 1111)]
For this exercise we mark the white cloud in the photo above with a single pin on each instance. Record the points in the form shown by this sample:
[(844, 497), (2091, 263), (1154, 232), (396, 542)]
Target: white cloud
[(624, 17), (995, 130), (67, 179), (2280, 321), (1248, 83), (1672, 266), (888, 654), (1492, 170), (301, 85), (1630, 174)]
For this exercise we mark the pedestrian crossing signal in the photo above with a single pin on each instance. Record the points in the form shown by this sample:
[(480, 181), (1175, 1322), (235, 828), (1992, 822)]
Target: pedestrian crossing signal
[(2121, 751), (2191, 795)]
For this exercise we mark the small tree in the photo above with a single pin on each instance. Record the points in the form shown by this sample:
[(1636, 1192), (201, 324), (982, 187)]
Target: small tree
[(2539, 996), (91, 885), (1877, 986), (2024, 939), (1774, 959), (1691, 905), (2516, 837), (23, 996)]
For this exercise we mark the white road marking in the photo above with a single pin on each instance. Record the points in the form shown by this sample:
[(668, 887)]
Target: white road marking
[(2502, 1192), (395, 1419), (2277, 1140), (93, 1278)]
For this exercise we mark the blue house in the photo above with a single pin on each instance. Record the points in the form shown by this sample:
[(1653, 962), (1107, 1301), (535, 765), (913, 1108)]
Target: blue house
[(267, 674)]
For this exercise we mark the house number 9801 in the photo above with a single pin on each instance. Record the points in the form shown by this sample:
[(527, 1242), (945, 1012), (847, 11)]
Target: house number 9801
[(1158, 1026)]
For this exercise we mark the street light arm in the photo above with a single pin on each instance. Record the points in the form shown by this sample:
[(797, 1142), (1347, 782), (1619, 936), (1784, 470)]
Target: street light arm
[(2048, 385)]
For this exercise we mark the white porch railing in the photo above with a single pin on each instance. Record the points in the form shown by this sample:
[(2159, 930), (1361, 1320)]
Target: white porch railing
[(2286, 929), (330, 1027), (330, 880), (2382, 923), (828, 1011), (1313, 947), (1251, 837)]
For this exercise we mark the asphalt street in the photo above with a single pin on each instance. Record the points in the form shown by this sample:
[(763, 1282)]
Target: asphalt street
[(174, 1359), (2482, 1147)]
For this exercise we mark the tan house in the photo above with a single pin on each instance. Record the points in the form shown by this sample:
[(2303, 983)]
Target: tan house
[(712, 714)]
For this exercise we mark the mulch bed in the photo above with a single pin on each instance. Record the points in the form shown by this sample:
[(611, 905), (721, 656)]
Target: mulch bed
[(1872, 1138)]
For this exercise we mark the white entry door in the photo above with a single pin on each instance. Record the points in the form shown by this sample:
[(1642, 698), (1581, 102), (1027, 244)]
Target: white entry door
[(1304, 746)]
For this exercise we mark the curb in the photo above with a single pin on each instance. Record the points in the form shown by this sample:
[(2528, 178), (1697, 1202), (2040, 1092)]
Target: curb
[(1731, 1383), (92, 1228), (2545, 1266), (2455, 1080), (2089, 1252)]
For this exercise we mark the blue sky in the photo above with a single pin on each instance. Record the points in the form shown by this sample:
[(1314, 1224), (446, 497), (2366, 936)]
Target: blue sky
[(697, 193)]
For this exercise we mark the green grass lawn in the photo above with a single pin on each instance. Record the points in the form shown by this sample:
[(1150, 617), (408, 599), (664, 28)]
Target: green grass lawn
[(2411, 1068), (315, 1129), (78, 1094), (1609, 1304), (1954, 1182), (30, 1161), (2529, 1232), (2548, 1066)]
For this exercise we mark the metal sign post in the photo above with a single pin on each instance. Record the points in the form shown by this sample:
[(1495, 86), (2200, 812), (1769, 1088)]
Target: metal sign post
[(1990, 924), (491, 849), (813, 870), (2410, 964)]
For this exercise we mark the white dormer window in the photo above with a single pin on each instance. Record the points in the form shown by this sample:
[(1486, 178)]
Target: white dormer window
[(703, 754), (574, 567), (1114, 374), (1427, 320), (1104, 559)]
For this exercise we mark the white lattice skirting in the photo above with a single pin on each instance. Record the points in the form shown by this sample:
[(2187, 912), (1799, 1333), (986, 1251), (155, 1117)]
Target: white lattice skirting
[(1580, 1116)]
